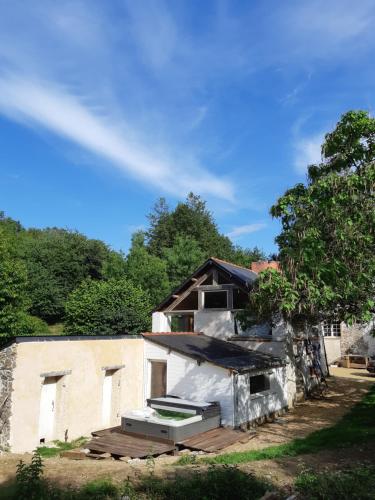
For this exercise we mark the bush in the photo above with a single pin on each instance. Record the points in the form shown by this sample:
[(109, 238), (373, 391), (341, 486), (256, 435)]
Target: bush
[(31, 325), (107, 307), (352, 484)]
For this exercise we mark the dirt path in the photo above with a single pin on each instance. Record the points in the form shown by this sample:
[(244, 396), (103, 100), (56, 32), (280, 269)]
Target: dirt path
[(305, 418)]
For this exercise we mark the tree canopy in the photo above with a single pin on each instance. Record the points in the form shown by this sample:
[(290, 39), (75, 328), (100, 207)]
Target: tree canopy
[(107, 307), (327, 244)]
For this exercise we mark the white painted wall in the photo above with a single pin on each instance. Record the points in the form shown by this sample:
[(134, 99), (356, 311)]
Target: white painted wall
[(333, 349), (219, 324), (186, 379), (160, 322), (253, 406)]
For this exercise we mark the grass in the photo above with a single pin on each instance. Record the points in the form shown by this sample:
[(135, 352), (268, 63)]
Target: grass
[(351, 484), (52, 451), (355, 427), (56, 329)]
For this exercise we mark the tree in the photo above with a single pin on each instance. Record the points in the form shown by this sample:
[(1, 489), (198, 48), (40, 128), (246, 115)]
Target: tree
[(246, 256), (147, 270), (327, 242), (57, 261), (107, 307), (191, 219), (182, 259)]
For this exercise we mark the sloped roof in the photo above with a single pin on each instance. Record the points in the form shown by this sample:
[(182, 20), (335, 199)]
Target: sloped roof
[(219, 352), (241, 275)]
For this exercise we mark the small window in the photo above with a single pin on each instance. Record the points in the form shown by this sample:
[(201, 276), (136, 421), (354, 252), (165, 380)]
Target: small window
[(332, 329), (259, 383), (182, 323), (216, 300)]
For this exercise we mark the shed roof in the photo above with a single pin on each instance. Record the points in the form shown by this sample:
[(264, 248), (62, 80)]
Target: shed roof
[(219, 352)]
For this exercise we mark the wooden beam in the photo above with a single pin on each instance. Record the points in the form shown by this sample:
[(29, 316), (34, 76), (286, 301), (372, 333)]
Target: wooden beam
[(186, 293)]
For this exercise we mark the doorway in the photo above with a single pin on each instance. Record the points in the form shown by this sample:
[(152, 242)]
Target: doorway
[(158, 382), (47, 409), (107, 400)]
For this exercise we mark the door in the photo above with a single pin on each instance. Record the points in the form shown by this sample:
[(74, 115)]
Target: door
[(47, 409), (107, 398), (158, 386)]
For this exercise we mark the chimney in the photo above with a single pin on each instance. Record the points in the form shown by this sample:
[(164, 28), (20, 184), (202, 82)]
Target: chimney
[(261, 265)]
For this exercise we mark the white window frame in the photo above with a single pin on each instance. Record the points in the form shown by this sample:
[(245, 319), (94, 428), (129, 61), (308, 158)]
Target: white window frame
[(331, 329)]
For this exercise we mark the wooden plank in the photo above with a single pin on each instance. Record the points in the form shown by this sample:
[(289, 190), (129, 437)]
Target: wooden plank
[(213, 440), (118, 443)]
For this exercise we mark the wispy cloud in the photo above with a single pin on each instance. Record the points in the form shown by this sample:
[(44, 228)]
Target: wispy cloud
[(246, 229), (307, 151), (40, 104)]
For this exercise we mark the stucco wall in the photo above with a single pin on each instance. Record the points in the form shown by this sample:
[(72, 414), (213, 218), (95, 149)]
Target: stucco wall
[(356, 339), (187, 379), (333, 349), (160, 322), (219, 324), (79, 393), (251, 407)]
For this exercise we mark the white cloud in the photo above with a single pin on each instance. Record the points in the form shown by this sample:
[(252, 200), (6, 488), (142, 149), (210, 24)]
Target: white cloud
[(53, 108), (307, 151), (246, 229)]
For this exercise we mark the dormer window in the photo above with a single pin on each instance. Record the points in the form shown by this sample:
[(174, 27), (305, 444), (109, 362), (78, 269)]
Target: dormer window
[(215, 299)]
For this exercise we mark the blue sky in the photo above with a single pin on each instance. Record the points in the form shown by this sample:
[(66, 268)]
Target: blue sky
[(106, 106)]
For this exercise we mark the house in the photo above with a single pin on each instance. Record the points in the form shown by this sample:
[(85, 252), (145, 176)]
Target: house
[(209, 302), (248, 385), (341, 339), (56, 387)]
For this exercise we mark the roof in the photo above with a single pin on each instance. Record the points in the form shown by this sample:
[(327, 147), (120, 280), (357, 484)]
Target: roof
[(243, 276), (219, 352)]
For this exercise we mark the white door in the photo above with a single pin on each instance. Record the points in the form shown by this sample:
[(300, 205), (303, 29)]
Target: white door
[(47, 409), (107, 399)]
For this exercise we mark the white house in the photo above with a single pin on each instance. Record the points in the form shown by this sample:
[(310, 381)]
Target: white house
[(209, 302), (248, 385)]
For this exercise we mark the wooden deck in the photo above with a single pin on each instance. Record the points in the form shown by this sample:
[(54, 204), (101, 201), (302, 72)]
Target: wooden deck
[(215, 439), (122, 444)]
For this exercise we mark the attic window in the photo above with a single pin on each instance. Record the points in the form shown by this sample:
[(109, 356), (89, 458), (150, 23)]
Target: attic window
[(259, 383), (216, 300), (332, 329)]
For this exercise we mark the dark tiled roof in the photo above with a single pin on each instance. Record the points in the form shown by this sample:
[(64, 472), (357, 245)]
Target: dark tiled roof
[(219, 352), (246, 276)]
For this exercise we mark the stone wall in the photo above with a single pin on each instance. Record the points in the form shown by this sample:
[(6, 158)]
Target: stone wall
[(7, 365), (355, 339)]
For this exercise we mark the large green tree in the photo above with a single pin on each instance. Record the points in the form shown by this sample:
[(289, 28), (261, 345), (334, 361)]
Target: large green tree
[(107, 307), (147, 270), (327, 242)]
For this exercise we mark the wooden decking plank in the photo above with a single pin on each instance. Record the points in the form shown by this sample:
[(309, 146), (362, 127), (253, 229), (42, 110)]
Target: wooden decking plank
[(213, 440)]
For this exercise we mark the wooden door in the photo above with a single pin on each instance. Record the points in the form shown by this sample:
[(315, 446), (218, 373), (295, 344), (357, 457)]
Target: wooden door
[(47, 409), (158, 379)]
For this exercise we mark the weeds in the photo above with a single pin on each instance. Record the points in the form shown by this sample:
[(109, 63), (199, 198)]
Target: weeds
[(52, 451)]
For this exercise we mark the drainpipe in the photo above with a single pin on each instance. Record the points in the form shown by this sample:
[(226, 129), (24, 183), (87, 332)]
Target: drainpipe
[(235, 399)]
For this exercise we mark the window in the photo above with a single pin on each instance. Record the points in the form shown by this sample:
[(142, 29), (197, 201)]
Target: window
[(332, 329), (182, 323), (259, 383), (240, 299), (216, 300)]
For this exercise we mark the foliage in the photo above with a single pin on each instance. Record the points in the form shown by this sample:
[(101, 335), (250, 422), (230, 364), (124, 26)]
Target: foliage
[(357, 426), (147, 270), (328, 239), (59, 446), (351, 484), (182, 259), (13, 279), (107, 307), (29, 479), (58, 261)]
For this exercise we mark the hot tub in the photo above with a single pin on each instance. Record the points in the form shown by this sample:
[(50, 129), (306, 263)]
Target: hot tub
[(190, 419)]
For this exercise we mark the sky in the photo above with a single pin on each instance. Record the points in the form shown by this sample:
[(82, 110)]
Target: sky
[(107, 106)]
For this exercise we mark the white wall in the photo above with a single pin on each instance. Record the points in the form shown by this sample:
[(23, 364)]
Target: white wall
[(253, 406), (219, 324), (160, 322), (186, 379), (333, 349)]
